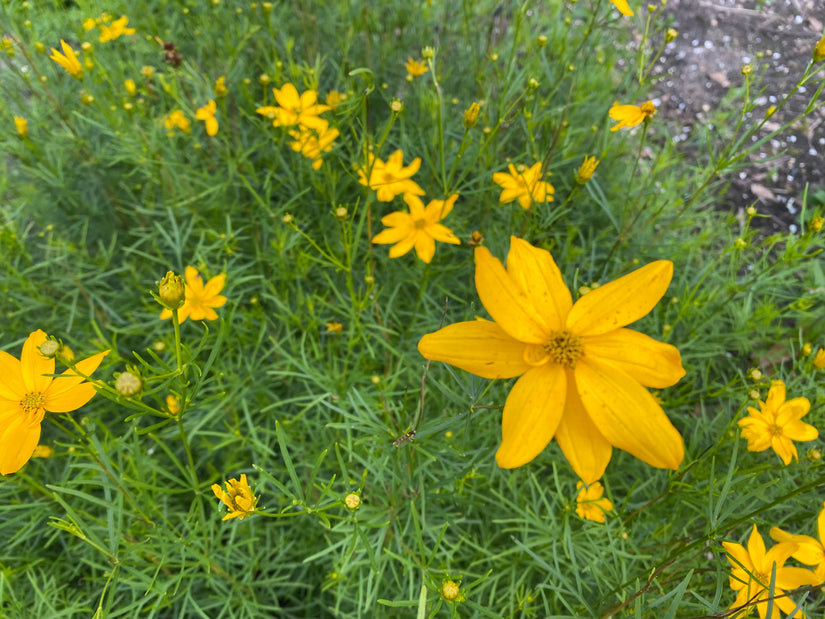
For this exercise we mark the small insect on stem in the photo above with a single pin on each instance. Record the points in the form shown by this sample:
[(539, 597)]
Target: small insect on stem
[(404, 438)]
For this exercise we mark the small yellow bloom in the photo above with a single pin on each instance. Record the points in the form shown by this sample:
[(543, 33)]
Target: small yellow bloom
[(815, 225), (819, 51), (352, 501), (450, 591), (811, 551), (524, 185), (590, 504), (207, 114), (585, 171), (819, 359), (471, 116), (777, 424), (29, 390), (752, 570), (43, 451), (670, 35), (622, 7), (334, 99), (131, 87), (334, 327), (89, 24), (116, 30), (416, 68), (311, 143), (392, 178), (295, 109), (22, 126), (200, 298), (238, 498), (173, 404), (68, 60), (220, 86), (177, 119), (631, 115), (806, 349), (420, 228), (147, 72)]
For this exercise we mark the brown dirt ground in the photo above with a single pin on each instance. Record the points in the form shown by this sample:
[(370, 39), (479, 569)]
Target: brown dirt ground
[(698, 69)]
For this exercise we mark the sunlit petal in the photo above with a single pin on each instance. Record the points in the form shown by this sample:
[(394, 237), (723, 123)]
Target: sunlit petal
[(34, 366), (17, 442), (587, 451), (647, 361), (12, 386)]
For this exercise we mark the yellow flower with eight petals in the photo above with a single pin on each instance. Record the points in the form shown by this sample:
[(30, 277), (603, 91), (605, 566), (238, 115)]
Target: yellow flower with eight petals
[(419, 228), (392, 178), (753, 569), (28, 390), (523, 184), (200, 299), (295, 109), (631, 115), (777, 424), (582, 374), (68, 59), (590, 502), (238, 498), (207, 114), (811, 551)]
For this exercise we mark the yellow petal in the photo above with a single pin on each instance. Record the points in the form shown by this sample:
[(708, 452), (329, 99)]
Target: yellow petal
[(532, 413), (756, 548), (535, 272), (35, 367), (506, 302), (627, 415), (622, 7), (809, 551), (12, 386), (622, 301), (651, 363), (425, 247), (17, 443), (68, 381), (587, 451), (480, 347)]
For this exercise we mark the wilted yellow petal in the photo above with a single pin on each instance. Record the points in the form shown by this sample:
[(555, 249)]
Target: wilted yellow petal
[(647, 361)]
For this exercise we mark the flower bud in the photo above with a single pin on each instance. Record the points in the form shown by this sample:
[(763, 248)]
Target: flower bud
[(471, 116), (171, 291), (352, 501), (449, 590), (129, 383), (670, 35), (819, 51), (815, 225)]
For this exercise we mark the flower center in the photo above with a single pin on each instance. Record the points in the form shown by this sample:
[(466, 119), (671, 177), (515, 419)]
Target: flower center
[(389, 177), (32, 402), (648, 109), (775, 430), (762, 579), (420, 224), (563, 347)]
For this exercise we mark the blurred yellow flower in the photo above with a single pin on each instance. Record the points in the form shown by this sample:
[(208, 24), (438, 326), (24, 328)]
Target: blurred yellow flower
[(131, 87), (778, 424), (220, 86), (810, 551), (43, 451), (590, 503), (200, 299), (622, 7), (238, 498), (207, 114), (28, 390), (420, 228), (582, 374), (311, 143), (295, 109), (524, 185), (173, 404), (416, 68), (116, 30), (392, 178), (177, 119), (819, 359), (631, 115), (334, 327), (586, 170), (753, 569), (22, 126), (819, 51), (68, 60), (334, 99)]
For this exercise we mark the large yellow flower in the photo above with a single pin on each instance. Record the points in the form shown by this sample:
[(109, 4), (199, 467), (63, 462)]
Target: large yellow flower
[(28, 390), (523, 184), (751, 573), (583, 375), (294, 109), (419, 228), (778, 423), (811, 551), (200, 299), (392, 178)]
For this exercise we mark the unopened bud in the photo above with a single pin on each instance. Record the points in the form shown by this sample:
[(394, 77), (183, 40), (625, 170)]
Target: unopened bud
[(471, 116), (171, 291), (129, 383)]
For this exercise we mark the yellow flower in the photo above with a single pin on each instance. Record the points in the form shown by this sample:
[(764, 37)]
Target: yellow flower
[(590, 504), (238, 498), (68, 60), (207, 114), (43, 451), (819, 51), (177, 119), (778, 424), (585, 172), (352, 501), (90, 23), (810, 551), (819, 359), (631, 115), (117, 29), (416, 68), (582, 374), (131, 87), (173, 404), (312, 142), (392, 178), (22, 126), (752, 570), (523, 184), (622, 7), (28, 390), (471, 115), (220, 86), (295, 109), (334, 327), (334, 99), (200, 299), (419, 228)]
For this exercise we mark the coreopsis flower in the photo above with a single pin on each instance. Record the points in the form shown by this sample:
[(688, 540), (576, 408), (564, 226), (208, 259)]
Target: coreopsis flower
[(778, 424), (334, 327), (631, 115), (815, 225), (752, 570), (819, 359), (220, 86), (131, 87), (582, 374), (207, 114), (22, 126), (68, 59), (295, 109), (392, 178), (810, 551), (200, 298), (43, 451), (352, 501), (586, 170), (523, 184), (420, 228), (238, 498), (590, 502), (172, 404), (114, 31), (334, 99), (28, 390), (311, 143), (416, 68), (471, 115), (177, 119), (622, 6), (819, 51)]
